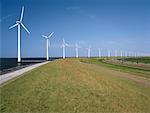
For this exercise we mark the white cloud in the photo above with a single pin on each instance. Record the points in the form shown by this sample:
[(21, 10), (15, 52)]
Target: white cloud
[(6, 17), (120, 42), (81, 11)]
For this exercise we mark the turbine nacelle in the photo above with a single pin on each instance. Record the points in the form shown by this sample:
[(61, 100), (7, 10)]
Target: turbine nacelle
[(47, 44), (18, 22), (47, 37), (77, 46), (64, 44), (99, 49), (88, 48), (44, 36)]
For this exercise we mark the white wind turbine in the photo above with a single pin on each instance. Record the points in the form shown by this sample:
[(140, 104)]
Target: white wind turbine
[(116, 53), (126, 54), (64, 44), (129, 54), (89, 51), (99, 52), (19, 23), (121, 54), (109, 54), (135, 54), (47, 44), (77, 50)]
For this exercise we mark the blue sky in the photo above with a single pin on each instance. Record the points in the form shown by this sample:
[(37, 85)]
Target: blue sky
[(114, 24)]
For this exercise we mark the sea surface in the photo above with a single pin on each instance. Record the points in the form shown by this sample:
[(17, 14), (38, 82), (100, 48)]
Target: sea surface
[(11, 64)]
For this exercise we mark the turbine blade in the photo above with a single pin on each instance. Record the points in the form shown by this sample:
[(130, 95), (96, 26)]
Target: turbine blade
[(21, 17), (25, 28), (44, 36), (66, 44), (50, 34), (13, 26)]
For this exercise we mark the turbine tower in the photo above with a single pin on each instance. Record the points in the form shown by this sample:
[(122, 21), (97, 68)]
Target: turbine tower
[(129, 54), (126, 54), (115, 53), (47, 44), (99, 52), (19, 23), (64, 44), (89, 51), (135, 54), (121, 54), (109, 53), (77, 50)]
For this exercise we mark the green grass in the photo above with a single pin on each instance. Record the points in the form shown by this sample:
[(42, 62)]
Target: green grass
[(120, 67), (145, 60), (70, 86)]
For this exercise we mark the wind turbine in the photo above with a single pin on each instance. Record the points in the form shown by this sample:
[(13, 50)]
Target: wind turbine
[(77, 50), (135, 55), (129, 54), (89, 51), (47, 44), (99, 52), (19, 23), (121, 54), (115, 53), (64, 44), (109, 53), (126, 54)]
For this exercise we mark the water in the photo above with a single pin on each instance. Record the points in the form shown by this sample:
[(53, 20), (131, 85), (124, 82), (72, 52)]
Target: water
[(11, 64)]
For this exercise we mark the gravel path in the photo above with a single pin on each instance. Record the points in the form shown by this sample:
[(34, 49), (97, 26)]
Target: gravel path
[(5, 77)]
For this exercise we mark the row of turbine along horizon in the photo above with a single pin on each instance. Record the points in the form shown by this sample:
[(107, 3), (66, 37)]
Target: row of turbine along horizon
[(20, 24)]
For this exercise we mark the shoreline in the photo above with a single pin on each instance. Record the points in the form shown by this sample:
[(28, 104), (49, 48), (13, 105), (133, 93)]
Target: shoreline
[(11, 64), (15, 68), (8, 76)]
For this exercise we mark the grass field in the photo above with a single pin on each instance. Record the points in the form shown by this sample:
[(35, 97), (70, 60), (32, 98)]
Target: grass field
[(141, 71), (71, 86)]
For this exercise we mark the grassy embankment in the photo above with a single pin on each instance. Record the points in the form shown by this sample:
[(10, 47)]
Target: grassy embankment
[(69, 86), (143, 72)]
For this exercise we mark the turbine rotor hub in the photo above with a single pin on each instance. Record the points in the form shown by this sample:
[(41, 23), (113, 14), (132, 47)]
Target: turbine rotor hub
[(18, 22)]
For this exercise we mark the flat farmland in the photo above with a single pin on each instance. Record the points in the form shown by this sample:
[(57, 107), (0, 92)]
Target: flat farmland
[(76, 86)]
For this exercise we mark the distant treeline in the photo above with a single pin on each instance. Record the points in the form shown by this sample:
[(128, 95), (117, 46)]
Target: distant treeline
[(145, 60)]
